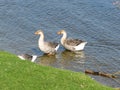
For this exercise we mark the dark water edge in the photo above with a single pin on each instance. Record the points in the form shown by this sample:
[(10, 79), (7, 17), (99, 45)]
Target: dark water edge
[(97, 22)]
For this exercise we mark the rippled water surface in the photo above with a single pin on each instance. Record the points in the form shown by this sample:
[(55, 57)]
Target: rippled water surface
[(95, 21)]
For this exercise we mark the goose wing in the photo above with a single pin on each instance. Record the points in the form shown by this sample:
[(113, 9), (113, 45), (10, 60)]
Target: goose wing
[(52, 44), (73, 42)]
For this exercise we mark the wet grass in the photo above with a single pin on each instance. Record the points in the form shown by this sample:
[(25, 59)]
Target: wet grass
[(16, 74)]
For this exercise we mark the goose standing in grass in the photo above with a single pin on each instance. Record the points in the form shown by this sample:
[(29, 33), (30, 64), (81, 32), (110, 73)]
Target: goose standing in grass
[(32, 58), (71, 44), (49, 48)]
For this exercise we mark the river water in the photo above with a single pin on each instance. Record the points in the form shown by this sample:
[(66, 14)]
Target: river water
[(95, 21)]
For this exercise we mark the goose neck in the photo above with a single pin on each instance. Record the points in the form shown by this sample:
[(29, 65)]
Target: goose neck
[(63, 37), (41, 39)]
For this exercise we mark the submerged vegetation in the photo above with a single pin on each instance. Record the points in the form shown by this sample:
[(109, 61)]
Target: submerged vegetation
[(16, 74)]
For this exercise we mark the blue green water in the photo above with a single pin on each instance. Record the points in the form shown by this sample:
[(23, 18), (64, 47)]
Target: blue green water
[(95, 21)]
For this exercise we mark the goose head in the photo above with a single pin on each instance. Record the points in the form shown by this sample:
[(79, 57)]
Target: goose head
[(38, 32), (61, 32)]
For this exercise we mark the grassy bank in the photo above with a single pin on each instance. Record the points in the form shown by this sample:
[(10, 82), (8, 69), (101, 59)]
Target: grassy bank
[(16, 74)]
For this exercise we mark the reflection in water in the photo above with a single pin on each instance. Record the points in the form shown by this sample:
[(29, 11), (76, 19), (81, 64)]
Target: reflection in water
[(79, 54), (117, 3), (68, 56), (46, 60), (66, 59)]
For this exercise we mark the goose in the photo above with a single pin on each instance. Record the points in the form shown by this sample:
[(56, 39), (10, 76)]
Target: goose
[(49, 48), (32, 58), (71, 44)]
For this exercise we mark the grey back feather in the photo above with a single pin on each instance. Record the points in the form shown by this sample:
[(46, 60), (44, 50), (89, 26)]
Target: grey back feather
[(73, 42)]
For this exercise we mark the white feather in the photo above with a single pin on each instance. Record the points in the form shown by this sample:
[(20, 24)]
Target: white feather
[(80, 46), (57, 47), (21, 57), (33, 58)]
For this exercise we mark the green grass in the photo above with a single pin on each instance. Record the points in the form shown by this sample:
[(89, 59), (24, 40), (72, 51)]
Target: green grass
[(16, 74)]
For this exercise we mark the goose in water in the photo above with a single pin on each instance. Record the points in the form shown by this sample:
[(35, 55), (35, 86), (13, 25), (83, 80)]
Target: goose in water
[(71, 44), (49, 48)]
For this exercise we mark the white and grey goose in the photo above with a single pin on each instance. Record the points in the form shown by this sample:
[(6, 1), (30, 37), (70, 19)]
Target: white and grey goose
[(71, 44), (49, 48), (32, 58)]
